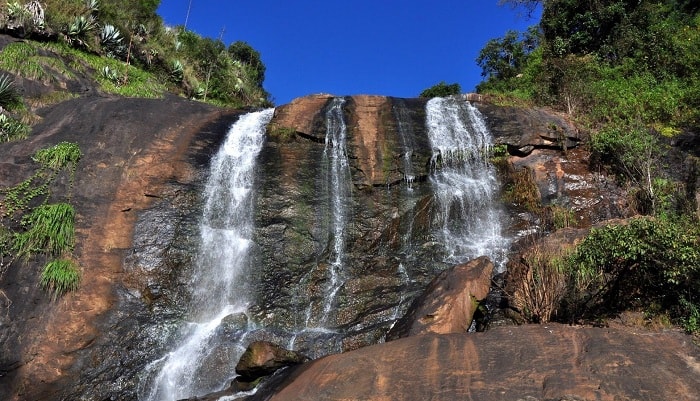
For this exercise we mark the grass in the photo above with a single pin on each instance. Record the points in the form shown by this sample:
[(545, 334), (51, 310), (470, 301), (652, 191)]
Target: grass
[(50, 230), (60, 276)]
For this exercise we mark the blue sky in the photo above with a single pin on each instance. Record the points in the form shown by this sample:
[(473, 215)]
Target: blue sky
[(383, 47)]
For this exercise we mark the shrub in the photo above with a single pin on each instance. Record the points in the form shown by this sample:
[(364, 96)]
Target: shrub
[(12, 129), (647, 261), (543, 285)]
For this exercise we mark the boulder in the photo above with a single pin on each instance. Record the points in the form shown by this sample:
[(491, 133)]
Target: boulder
[(449, 302), (534, 362), (263, 358)]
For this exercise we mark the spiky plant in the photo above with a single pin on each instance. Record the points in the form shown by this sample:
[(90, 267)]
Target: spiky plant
[(9, 97), (112, 41), (177, 72)]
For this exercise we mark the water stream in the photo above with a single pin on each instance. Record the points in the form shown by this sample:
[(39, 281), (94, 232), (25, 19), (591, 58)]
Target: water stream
[(465, 182), (218, 292)]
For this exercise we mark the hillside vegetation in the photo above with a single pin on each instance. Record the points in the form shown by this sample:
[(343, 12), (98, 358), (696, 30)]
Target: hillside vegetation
[(628, 72), (124, 44), (58, 49)]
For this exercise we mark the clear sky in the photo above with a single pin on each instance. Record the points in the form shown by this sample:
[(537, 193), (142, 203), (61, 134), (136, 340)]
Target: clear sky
[(382, 47)]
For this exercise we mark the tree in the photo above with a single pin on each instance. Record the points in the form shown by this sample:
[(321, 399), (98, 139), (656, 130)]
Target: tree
[(503, 58), (244, 53), (441, 89)]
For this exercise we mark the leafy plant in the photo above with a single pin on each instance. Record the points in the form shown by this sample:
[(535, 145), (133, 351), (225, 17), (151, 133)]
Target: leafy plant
[(60, 276), (112, 41)]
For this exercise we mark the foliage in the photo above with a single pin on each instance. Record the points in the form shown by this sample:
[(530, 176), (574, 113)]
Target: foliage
[(12, 129), (647, 261), (49, 230), (131, 32), (63, 156), (441, 89), (60, 276), (244, 53), (29, 229), (543, 285), (521, 189)]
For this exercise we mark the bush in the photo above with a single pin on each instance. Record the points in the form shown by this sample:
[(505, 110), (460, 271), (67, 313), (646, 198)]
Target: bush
[(647, 261)]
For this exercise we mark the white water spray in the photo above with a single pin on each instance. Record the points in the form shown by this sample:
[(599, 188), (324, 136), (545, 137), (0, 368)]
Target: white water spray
[(465, 182), (226, 231)]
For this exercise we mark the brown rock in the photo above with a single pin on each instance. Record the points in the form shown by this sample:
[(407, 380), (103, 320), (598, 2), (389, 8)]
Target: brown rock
[(449, 302), (263, 358), (300, 115), (551, 362)]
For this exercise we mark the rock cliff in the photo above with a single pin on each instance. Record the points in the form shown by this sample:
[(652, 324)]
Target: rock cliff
[(138, 197)]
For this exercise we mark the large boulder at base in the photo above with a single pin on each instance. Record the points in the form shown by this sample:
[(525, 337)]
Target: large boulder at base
[(536, 362), (449, 302), (263, 358)]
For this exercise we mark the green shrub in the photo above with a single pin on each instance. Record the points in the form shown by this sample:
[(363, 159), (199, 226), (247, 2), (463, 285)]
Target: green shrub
[(647, 261), (12, 129), (60, 276)]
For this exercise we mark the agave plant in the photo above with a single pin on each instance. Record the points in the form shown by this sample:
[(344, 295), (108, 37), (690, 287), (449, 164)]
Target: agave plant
[(92, 6), (81, 26), (177, 72), (111, 40), (9, 97), (110, 74)]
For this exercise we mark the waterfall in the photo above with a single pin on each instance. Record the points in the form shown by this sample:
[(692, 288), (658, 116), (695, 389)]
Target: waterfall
[(319, 326), (405, 131), (226, 231), (464, 181)]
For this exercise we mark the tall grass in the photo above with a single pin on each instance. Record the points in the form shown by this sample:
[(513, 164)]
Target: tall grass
[(60, 276)]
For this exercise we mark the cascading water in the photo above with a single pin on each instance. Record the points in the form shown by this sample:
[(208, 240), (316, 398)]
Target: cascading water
[(226, 231), (337, 183), (465, 182), (405, 132)]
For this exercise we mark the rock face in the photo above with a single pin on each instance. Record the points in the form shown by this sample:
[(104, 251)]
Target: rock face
[(143, 159), (551, 362), (139, 197), (448, 304)]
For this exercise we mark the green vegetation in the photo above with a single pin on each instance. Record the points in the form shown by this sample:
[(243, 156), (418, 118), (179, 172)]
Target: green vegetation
[(126, 48), (441, 89), (31, 227), (60, 276), (628, 72)]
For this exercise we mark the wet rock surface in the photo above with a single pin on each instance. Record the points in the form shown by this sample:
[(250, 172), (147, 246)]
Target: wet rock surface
[(140, 156), (139, 198)]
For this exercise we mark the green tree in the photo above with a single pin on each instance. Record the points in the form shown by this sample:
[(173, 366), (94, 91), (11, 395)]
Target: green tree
[(441, 89), (244, 53)]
